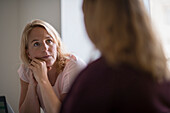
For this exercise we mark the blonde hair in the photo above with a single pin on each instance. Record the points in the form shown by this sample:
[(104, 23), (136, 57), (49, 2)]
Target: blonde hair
[(61, 55), (122, 31)]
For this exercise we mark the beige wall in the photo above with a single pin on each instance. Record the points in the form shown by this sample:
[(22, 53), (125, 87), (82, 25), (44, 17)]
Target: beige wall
[(14, 14)]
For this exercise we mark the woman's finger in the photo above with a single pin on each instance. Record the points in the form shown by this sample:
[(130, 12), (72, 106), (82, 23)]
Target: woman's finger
[(33, 63), (38, 61)]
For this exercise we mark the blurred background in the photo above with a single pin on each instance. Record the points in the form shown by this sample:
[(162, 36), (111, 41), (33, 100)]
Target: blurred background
[(67, 18)]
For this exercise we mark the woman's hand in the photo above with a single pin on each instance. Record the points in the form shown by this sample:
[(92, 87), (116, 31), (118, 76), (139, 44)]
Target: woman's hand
[(39, 69)]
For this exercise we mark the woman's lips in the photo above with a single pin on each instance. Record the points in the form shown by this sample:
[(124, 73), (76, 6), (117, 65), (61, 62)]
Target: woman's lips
[(44, 57)]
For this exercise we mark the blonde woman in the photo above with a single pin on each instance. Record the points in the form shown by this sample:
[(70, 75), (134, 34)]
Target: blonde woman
[(47, 71), (131, 76)]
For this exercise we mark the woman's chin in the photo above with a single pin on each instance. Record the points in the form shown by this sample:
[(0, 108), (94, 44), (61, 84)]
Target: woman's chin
[(49, 64), (49, 67)]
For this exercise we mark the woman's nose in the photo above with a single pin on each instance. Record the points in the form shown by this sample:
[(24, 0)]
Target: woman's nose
[(44, 47)]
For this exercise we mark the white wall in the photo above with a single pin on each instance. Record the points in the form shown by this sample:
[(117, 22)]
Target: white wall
[(14, 14), (73, 30), (160, 14), (147, 5)]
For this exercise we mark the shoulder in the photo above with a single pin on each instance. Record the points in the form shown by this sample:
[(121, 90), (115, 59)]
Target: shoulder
[(73, 67), (75, 61), (23, 71), (92, 72), (99, 64)]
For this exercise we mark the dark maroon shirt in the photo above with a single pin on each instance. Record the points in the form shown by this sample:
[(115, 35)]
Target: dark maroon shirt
[(120, 89)]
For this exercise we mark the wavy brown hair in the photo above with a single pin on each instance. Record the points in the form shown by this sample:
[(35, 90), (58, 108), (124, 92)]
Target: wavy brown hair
[(61, 54), (122, 31)]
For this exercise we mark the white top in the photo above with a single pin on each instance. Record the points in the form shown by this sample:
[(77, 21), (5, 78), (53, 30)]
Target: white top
[(64, 79)]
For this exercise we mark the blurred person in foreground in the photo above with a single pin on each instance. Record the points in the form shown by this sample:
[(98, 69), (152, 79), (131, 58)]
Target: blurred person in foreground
[(131, 76)]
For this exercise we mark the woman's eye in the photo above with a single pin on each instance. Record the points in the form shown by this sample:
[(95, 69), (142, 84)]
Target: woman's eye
[(36, 44), (49, 41)]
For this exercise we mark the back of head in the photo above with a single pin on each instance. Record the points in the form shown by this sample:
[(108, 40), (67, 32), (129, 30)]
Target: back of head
[(123, 33)]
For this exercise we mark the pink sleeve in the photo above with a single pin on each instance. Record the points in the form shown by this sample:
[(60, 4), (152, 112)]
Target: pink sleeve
[(72, 69), (22, 73)]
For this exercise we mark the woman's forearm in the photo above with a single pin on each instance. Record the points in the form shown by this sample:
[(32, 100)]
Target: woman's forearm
[(31, 103), (51, 101)]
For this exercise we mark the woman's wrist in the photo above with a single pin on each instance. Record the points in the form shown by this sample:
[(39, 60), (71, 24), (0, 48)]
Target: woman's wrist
[(32, 88), (43, 79), (43, 82), (32, 85)]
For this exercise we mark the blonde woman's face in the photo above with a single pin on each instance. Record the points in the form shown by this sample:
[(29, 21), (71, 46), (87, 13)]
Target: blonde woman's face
[(42, 46)]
